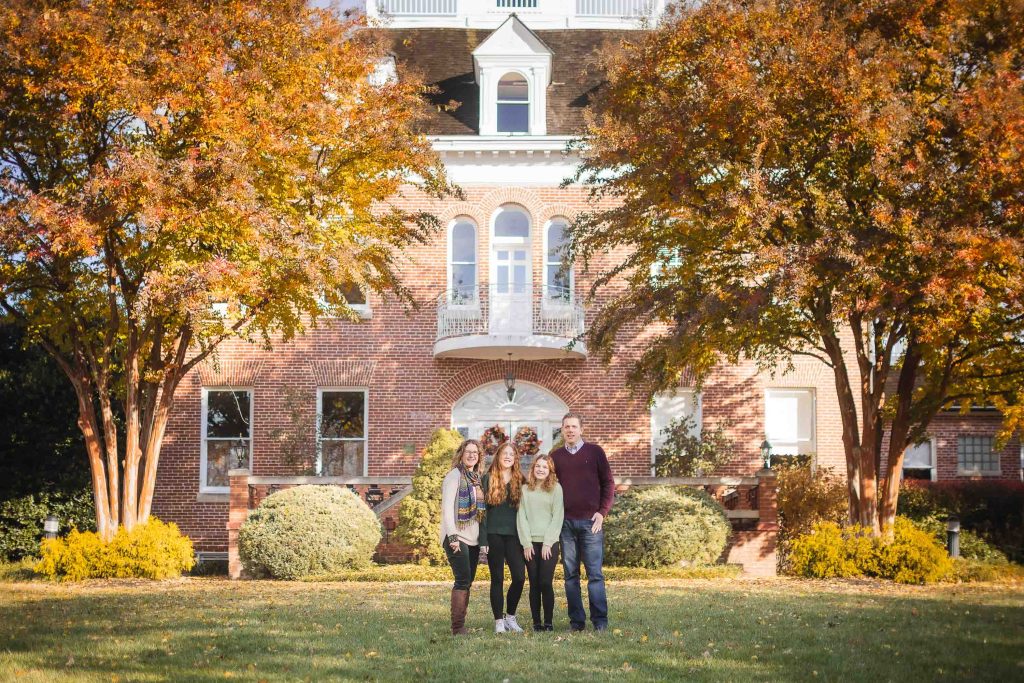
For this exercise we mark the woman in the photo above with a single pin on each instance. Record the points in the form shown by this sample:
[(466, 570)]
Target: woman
[(503, 485), (461, 504), (540, 524)]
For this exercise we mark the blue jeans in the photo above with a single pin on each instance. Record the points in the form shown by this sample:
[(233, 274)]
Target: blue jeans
[(579, 543)]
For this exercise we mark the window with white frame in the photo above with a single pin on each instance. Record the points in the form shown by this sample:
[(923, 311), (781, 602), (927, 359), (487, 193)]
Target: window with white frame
[(342, 420), (668, 407), (919, 461), (789, 421), (557, 273), (462, 261), (976, 455), (513, 103), (226, 435), (355, 297)]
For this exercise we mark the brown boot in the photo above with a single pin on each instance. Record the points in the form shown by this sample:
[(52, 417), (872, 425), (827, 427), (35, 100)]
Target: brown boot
[(460, 601)]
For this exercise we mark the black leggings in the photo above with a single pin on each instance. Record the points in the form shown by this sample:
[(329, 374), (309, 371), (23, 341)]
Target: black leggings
[(505, 548), (542, 574), (463, 564)]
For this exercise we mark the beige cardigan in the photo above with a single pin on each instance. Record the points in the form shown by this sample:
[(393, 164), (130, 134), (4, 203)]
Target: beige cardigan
[(470, 534)]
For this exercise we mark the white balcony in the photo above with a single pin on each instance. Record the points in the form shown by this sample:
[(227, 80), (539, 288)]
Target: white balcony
[(537, 14), (490, 322)]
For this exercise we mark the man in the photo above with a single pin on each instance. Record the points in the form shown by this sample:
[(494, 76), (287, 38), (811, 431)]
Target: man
[(588, 490)]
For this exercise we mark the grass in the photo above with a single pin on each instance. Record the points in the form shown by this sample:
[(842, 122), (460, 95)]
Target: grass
[(416, 572), (206, 629)]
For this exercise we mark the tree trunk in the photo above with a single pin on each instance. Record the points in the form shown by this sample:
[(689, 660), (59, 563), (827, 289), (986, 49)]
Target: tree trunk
[(87, 425)]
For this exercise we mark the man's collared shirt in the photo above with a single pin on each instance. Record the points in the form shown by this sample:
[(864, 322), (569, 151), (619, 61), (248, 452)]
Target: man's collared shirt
[(574, 449)]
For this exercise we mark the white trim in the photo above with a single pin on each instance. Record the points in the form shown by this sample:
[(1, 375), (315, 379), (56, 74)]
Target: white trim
[(934, 475), (697, 399), (449, 287), (203, 439), (813, 442), (500, 143), (365, 391), (546, 262), (529, 102)]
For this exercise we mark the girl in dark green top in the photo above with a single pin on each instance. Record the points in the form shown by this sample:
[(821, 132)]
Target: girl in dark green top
[(502, 486)]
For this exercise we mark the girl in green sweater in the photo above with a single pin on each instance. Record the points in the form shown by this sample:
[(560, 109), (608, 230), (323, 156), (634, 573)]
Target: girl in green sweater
[(502, 487), (539, 522)]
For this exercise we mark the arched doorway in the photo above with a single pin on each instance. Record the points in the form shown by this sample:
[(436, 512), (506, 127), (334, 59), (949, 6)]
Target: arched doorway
[(488, 405)]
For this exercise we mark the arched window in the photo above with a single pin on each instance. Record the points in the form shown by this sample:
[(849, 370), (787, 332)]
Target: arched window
[(513, 103), (511, 221), (557, 273), (462, 261)]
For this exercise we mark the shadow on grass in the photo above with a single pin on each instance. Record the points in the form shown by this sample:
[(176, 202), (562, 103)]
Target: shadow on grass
[(209, 629)]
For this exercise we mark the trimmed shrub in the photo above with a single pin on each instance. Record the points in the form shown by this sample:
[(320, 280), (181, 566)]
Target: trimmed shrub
[(665, 525), (153, 550), (994, 510), (826, 552), (21, 519), (308, 530), (419, 517), (831, 551), (806, 498), (912, 556)]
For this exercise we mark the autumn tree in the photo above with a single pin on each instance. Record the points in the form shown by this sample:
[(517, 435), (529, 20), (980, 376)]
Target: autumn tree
[(157, 157), (824, 178)]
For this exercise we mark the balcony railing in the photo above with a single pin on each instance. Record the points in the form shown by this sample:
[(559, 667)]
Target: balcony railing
[(516, 4), (613, 8), (509, 310), (419, 8)]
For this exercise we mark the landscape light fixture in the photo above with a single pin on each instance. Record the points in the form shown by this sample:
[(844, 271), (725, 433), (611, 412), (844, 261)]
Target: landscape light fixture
[(766, 454), (51, 525)]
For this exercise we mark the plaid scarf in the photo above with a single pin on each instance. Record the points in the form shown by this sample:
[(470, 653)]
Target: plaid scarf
[(465, 502)]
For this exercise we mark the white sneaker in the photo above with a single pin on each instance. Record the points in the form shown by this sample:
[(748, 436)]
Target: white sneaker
[(499, 625), (511, 624)]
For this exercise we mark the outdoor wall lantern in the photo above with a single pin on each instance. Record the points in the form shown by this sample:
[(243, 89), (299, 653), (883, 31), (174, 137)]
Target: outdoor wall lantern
[(510, 379), (50, 526), (766, 454), (953, 536)]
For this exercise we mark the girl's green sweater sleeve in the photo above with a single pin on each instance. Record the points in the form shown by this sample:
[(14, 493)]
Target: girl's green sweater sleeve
[(554, 530), (522, 522)]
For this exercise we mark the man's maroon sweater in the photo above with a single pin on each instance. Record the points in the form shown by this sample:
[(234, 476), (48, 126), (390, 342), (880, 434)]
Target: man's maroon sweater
[(586, 479)]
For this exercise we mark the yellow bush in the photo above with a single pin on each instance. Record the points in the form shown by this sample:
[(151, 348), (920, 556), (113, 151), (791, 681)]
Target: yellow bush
[(153, 550), (912, 556), (831, 551), (824, 553)]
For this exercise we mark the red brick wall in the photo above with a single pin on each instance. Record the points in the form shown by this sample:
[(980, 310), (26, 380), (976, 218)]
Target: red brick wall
[(411, 392)]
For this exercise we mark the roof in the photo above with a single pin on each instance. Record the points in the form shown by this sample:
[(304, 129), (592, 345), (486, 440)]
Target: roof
[(443, 57)]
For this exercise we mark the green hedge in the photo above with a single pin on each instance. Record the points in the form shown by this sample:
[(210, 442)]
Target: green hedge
[(665, 525), (994, 509), (308, 530), (419, 517), (21, 519)]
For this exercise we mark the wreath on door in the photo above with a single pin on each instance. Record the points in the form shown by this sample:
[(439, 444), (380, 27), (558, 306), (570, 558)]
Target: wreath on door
[(492, 439), (527, 441)]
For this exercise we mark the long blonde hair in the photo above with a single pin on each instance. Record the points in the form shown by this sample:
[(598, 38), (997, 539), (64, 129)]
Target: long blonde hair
[(547, 484), (496, 487)]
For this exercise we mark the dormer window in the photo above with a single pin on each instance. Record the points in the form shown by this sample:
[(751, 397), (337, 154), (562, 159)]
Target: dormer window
[(513, 69), (513, 104)]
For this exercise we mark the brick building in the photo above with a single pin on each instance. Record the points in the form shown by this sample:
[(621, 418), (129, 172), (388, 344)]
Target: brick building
[(361, 398)]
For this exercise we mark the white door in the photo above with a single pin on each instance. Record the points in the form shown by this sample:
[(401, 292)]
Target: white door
[(510, 291)]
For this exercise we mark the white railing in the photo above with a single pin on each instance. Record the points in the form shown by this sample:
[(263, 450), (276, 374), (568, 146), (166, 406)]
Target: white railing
[(550, 311), (419, 8), (516, 4), (613, 8)]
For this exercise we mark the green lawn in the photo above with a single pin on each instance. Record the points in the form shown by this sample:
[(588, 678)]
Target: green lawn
[(212, 629)]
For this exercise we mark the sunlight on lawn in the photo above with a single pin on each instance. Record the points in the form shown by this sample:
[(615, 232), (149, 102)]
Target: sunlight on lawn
[(211, 629)]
